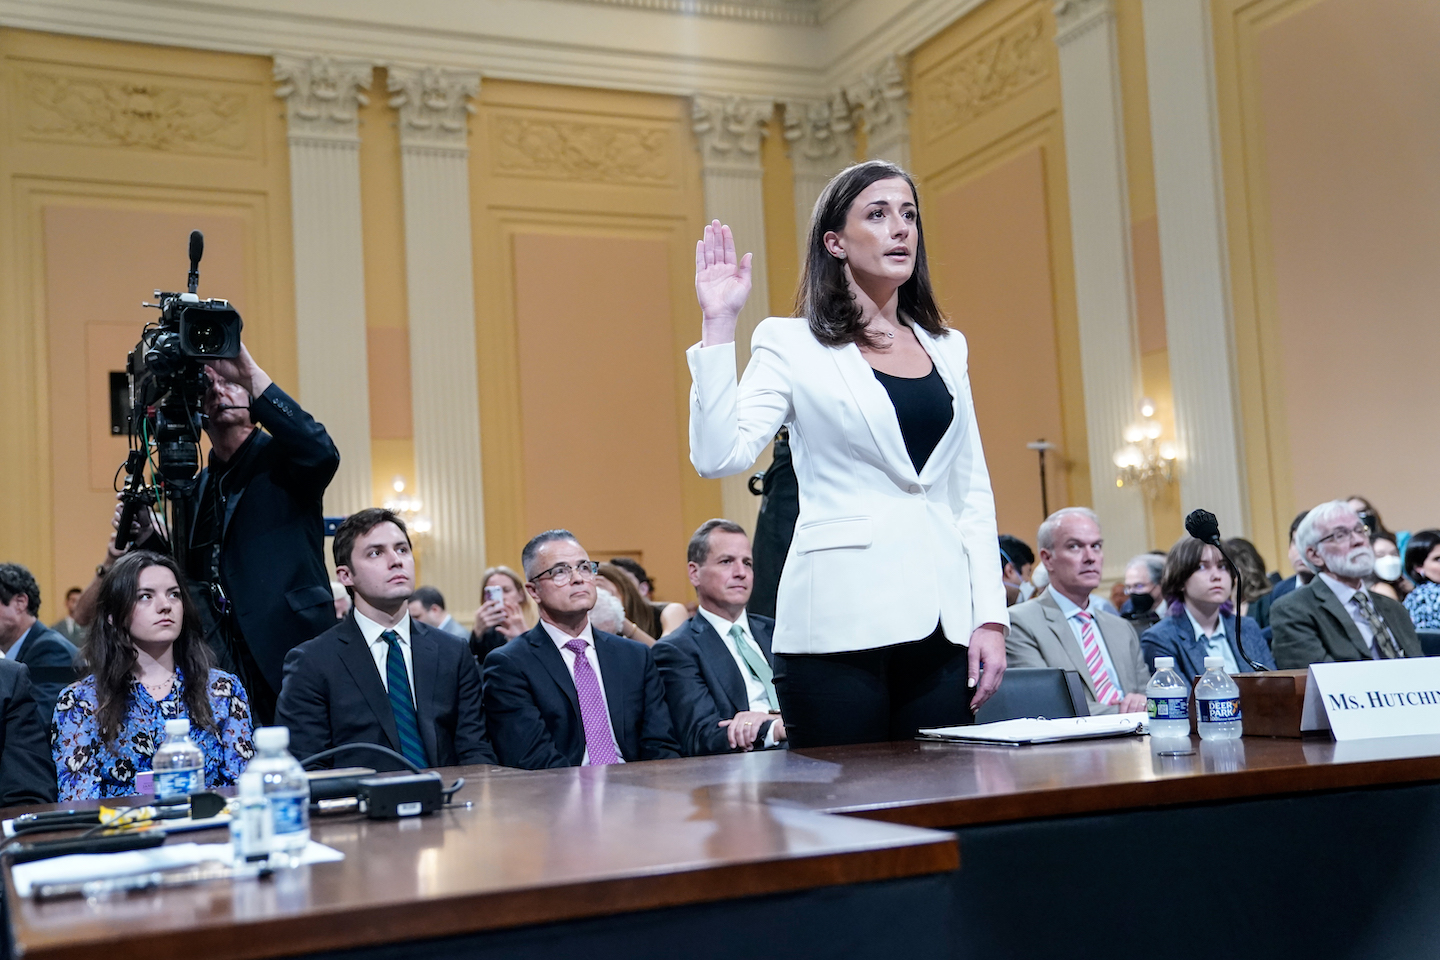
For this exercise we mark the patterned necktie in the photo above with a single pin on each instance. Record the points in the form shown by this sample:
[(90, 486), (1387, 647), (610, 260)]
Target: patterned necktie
[(1383, 640), (599, 740), (397, 678), (758, 667), (1105, 691)]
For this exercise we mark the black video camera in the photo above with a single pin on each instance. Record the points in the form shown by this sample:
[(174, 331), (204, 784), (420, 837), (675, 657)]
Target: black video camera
[(167, 393)]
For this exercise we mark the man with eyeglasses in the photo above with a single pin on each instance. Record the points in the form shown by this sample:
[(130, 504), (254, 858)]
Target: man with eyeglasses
[(565, 694), (1334, 617)]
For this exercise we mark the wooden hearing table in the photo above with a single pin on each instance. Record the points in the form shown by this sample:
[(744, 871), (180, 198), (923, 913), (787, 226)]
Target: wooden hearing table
[(1256, 847)]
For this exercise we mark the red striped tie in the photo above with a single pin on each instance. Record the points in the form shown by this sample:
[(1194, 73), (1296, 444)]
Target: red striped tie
[(1105, 691)]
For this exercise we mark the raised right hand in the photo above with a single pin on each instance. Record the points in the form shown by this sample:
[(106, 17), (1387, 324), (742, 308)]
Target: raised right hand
[(722, 284), (489, 615)]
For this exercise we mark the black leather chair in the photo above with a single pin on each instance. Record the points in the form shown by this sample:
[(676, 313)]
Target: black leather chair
[(1036, 692), (1429, 642)]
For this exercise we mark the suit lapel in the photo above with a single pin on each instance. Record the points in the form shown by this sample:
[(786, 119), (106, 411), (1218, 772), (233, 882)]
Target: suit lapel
[(721, 665), (554, 664), (1066, 637), (355, 655), (1331, 604), (425, 660), (875, 406), (941, 456)]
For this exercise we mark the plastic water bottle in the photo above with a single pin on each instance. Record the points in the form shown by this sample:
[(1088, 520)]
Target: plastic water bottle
[(287, 790), (1167, 701), (252, 827), (1217, 700), (178, 765)]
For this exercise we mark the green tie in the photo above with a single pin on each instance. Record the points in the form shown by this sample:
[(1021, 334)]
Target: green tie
[(758, 667)]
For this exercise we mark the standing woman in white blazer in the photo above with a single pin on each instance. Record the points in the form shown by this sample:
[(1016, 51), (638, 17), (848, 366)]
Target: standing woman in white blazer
[(891, 611)]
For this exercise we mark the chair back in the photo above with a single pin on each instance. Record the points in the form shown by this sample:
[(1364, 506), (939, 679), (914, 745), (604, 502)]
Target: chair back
[(1036, 692), (1430, 642)]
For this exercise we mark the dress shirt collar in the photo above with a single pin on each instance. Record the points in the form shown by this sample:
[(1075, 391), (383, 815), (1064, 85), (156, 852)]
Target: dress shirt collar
[(722, 626), (1068, 606), (1343, 593), (1200, 631), (560, 637), (371, 630)]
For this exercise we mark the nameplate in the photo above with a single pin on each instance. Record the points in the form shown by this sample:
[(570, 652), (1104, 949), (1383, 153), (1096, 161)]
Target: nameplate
[(1362, 699)]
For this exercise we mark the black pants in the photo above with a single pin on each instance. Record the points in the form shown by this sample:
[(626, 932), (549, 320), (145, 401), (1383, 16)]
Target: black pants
[(869, 696)]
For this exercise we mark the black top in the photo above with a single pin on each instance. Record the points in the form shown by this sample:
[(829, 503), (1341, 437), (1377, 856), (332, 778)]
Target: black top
[(924, 408)]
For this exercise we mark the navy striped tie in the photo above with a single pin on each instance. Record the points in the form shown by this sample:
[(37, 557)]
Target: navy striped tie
[(398, 679)]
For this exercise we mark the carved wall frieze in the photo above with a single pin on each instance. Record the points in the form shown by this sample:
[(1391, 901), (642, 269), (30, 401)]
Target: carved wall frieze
[(882, 100), (1076, 17), (434, 104), (133, 113), (583, 151), (820, 134), (982, 79), (323, 95), (728, 130)]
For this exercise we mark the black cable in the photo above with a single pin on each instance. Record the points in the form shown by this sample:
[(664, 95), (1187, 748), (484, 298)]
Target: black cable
[(1235, 581), (448, 793)]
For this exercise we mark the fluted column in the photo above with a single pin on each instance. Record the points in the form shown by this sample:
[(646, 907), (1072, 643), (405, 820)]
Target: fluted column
[(727, 132), (434, 107), (1104, 284), (884, 102), (822, 143), (322, 96), (1189, 197)]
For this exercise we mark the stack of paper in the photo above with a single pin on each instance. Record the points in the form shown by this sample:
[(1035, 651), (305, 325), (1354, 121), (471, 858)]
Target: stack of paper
[(1013, 733)]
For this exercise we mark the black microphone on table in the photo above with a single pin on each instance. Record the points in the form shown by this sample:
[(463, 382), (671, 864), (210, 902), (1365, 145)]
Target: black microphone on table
[(1203, 526)]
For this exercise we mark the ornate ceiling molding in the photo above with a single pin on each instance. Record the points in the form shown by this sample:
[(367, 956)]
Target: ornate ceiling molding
[(805, 13)]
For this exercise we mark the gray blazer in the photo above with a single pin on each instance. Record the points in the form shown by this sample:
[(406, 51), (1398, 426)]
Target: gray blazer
[(1310, 624), (1040, 637)]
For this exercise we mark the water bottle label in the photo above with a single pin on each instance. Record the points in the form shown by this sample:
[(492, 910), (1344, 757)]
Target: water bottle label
[(1168, 708), (1219, 711), (289, 813), (178, 783)]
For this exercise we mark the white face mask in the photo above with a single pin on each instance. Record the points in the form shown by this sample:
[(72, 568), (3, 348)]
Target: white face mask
[(1387, 568), (1027, 590)]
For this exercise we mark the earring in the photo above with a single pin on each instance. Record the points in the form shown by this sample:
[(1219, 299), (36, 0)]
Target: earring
[(840, 255)]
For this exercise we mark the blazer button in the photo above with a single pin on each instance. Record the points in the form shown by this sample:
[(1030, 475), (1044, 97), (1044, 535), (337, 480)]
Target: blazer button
[(914, 488)]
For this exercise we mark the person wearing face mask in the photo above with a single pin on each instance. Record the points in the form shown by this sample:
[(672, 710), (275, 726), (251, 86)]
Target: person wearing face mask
[(147, 664), (1200, 620), (1142, 589), (1017, 563), (1422, 566), (895, 496), (1335, 617), (1387, 580)]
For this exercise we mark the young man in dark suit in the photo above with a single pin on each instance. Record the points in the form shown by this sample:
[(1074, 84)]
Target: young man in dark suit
[(565, 694), (24, 639), (717, 667), (378, 676)]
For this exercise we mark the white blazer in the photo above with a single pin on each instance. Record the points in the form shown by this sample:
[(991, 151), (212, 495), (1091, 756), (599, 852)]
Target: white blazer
[(880, 553)]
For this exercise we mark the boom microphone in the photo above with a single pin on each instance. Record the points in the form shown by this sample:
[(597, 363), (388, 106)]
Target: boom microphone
[(1203, 526)]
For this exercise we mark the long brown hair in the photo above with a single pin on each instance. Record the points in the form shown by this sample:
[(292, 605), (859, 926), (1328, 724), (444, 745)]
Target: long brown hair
[(637, 609), (109, 652), (824, 296)]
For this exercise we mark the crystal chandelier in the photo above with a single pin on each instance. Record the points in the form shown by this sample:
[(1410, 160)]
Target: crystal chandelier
[(1144, 461)]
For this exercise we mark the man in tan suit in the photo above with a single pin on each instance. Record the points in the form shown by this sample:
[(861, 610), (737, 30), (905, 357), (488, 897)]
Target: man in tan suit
[(1063, 629)]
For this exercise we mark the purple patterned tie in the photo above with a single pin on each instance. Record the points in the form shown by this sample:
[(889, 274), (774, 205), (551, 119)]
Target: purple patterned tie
[(599, 740)]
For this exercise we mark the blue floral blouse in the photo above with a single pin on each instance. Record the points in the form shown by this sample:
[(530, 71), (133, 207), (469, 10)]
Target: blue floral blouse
[(1424, 606), (87, 768)]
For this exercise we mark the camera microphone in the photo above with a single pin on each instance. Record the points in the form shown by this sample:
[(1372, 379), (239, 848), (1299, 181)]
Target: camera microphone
[(197, 250)]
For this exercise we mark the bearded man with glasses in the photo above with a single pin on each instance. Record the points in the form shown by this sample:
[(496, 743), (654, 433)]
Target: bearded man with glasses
[(1334, 617), (565, 694)]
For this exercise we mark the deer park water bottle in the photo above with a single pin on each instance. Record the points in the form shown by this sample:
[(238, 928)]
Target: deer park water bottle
[(178, 766), (1217, 701), (1167, 701), (288, 791)]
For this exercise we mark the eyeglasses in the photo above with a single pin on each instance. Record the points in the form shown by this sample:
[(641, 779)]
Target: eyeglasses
[(561, 573), (1359, 530)]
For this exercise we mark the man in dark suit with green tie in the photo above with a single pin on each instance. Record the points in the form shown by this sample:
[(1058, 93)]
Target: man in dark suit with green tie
[(379, 676), (1334, 617)]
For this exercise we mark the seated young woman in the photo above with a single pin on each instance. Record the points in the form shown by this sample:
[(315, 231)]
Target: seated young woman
[(147, 663)]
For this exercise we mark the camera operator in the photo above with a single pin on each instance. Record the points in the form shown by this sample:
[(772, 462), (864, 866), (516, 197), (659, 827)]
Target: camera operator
[(256, 527)]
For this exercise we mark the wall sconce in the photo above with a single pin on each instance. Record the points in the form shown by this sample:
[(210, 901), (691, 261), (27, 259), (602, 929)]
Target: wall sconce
[(408, 508), (1144, 461)]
